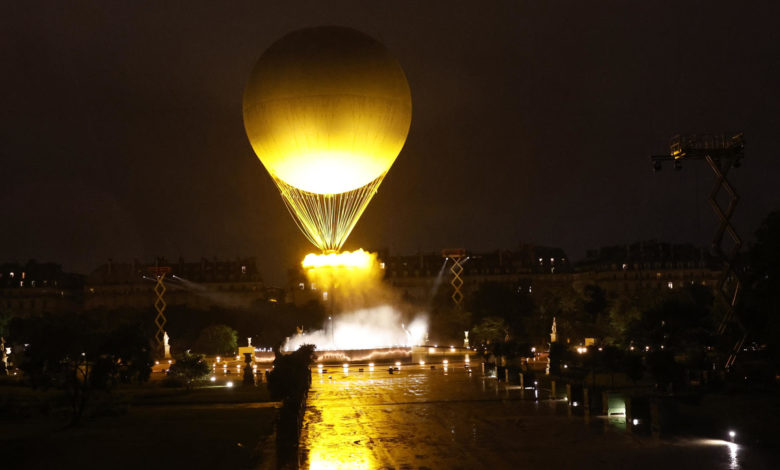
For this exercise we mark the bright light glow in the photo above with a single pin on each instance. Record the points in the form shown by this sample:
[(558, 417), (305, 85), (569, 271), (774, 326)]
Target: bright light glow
[(356, 259), (431, 350), (229, 384), (367, 328), (422, 363), (467, 359), (732, 434), (397, 363), (370, 364), (635, 422), (218, 358), (445, 361), (345, 365), (312, 121), (213, 379), (327, 127)]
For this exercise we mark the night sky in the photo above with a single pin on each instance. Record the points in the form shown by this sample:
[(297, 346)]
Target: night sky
[(121, 131)]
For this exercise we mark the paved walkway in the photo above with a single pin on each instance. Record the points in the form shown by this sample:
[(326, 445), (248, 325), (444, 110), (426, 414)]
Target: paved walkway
[(452, 419)]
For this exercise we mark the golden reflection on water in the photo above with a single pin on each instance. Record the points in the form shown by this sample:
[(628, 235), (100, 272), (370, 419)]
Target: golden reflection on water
[(358, 457), (451, 417), (329, 451), (353, 421)]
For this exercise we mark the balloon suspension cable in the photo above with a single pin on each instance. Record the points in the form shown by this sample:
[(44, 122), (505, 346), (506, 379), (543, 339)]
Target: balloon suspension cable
[(327, 219)]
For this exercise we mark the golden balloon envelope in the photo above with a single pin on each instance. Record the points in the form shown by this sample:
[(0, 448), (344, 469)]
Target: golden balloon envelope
[(327, 110)]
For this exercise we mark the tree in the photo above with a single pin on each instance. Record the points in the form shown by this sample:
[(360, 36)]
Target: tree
[(217, 340), (512, 304), (681, 321), (762, 303), (621, 313), (594, 301), (491, 330), (190, 368), (80, 354)]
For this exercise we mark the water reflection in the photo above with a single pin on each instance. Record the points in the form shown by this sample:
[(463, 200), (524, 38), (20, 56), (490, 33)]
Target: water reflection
[(326, 450), (733, 448), (451, 418)]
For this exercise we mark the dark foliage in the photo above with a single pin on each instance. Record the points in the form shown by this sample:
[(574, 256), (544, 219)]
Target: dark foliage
[(216, 340), (681, 321), (762, 297), (80, 354), (189, 368), (266, 322)]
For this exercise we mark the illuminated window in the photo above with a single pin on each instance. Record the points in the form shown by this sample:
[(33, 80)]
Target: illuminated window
[(243, 269)]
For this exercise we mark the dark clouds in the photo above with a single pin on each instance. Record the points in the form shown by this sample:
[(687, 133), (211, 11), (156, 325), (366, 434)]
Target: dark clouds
[(121, 129)]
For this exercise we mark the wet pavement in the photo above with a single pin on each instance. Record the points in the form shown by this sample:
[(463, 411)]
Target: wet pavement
[(420, 418)]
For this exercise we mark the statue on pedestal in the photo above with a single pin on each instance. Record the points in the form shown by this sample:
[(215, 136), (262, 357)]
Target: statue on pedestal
[(249, 373), (166, 346)]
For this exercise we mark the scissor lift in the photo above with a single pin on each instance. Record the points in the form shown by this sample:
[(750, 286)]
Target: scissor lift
[(722, 152)]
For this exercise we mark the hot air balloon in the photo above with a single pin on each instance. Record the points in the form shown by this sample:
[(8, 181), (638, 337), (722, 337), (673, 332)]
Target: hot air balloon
[(327, 110)]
